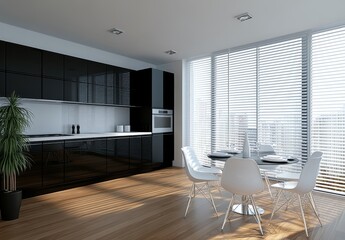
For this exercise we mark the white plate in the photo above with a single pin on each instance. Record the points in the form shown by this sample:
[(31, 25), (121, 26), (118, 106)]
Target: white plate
[(233, 151), (274, 159), (219, 155)]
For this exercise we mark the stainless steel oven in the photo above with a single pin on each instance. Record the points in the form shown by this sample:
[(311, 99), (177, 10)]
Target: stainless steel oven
[(162, 120)]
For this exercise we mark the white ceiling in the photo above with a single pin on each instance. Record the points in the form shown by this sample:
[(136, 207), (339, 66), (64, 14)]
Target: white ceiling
[(190, 27)]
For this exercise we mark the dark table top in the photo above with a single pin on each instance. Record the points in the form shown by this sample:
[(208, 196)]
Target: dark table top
[(254, 156)]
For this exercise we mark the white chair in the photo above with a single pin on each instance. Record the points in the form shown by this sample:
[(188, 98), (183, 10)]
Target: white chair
[(302, 188), (200, 180), (267, 169), (196, 165), (242, 177)]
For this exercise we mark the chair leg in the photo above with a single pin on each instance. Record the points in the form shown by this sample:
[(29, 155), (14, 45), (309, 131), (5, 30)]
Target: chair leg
[(276, 204), (303, 217), (311, 199), (209, 192), (268, 183), (228, 210), (190, 196), (258, 217)]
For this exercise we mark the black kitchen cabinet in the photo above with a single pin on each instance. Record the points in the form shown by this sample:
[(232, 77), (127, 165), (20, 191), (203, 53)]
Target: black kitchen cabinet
[(2, 55), (31, 179), (135, 153), (25, 86), (117, 155), (162, 149), (52, 65), (96, 93), (75, 69), (159, 88), (22, 59), (168, 90), (85, 159), (2, 84), (146, 151), (118, 86), (52, 89), (96, 73), (53, 163), (75, 91)]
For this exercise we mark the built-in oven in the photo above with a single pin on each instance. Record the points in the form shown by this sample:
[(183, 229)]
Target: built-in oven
[(162, 120)]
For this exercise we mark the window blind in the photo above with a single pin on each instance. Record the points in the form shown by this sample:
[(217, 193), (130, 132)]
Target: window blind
[(282, 97), (200, 107), (242, 96), (328, 107)]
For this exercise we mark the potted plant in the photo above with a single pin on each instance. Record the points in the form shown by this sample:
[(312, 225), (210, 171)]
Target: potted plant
[(13, 154)]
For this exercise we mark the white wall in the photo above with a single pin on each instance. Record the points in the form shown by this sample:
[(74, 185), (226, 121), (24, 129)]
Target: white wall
[(176, 68)]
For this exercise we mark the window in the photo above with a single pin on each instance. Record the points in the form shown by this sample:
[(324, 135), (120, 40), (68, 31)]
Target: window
[(289, 93), (328, 107)]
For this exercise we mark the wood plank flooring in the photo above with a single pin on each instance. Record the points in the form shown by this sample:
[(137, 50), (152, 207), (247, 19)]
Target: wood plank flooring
[(151, 206)]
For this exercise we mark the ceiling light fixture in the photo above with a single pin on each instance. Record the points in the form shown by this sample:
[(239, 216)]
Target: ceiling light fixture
[(170, 52), (115, 31), (243, 17)]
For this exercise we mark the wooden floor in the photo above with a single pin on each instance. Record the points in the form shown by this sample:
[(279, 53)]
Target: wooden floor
[(151, 206)]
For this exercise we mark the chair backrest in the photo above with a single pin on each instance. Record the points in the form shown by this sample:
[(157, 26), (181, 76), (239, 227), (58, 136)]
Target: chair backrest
[(307, 180), (266, 148), (242, 176), (189, 159)]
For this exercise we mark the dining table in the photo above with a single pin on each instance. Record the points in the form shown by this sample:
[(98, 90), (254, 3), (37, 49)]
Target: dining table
[(220, 157)]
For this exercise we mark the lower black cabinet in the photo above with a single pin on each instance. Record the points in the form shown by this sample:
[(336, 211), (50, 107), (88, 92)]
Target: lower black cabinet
[(118, 155), (135, 153), (85, 159), (31, 179), (2, 84), (53, 163), (146, 151), (162, 149)]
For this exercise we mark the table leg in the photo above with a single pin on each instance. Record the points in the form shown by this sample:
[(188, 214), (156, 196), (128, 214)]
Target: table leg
[(245, 209)]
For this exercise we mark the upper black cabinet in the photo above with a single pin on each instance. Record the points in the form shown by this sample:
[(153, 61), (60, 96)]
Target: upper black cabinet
[(75, 69), (118, 86), (2, 55), (154, 89), (52, 65), (21, 59), (97, 73), (25, 86)]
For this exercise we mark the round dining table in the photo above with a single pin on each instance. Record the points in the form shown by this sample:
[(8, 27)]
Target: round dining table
[(219, 158)]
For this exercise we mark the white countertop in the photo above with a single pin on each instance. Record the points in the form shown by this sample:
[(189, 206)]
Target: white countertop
[(88, 136)]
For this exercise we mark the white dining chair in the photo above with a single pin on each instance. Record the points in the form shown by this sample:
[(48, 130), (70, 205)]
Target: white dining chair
[(267, 169), (200, 180), (302, 188), (242, 177), (197, 166)]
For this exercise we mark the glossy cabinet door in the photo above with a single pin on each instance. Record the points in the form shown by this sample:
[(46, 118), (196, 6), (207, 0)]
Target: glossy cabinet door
[(117, 155), (157, 89), (85, 159), (162, 149), (52, 88), (168, 90), (135, 153), (146, 152), (52, 65), (2, 84), (22, 59), (75, 84), (53, 163), (30, 180), (2, 55), (118, 86), (25, 86)]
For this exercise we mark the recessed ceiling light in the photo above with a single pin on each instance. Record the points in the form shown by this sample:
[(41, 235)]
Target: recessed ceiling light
[(170, 52), (243, 17), (115, 31)]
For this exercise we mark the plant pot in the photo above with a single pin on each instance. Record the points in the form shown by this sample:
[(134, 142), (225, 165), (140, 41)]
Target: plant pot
[(10, 203)]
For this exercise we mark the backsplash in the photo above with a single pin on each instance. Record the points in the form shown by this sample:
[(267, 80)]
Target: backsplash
[(57, 117)]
